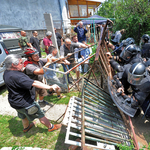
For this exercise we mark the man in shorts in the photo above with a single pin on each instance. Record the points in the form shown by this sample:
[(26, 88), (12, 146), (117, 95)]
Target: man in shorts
[(21, 93), (34, 69)]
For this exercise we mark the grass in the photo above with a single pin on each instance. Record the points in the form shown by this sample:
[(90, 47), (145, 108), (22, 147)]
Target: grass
[(55, 100), (11, 134)]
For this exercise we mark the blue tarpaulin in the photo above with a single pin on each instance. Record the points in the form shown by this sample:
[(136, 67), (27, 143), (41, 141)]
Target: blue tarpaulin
[(96, 19)]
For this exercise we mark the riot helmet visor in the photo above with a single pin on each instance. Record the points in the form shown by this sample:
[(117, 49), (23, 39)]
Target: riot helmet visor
[(134, 79)]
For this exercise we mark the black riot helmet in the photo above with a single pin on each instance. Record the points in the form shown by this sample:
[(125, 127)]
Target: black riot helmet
[(129, 51), (136, 73), (128, 41), (145, 37)]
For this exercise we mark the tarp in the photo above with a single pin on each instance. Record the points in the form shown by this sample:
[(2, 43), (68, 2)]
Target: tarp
[(95, 18)]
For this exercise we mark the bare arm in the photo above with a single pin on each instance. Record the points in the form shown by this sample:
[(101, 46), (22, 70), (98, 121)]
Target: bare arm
[(29, 44), (41, 85), (83, 46), (41, 70)]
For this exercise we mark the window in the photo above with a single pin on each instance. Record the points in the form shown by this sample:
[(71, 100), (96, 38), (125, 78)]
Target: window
[(91, 9), (73, 10), (83, 10)]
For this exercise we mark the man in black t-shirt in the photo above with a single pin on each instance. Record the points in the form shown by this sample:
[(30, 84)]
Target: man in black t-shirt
[(59, 39), (35, 42), (21, 93)]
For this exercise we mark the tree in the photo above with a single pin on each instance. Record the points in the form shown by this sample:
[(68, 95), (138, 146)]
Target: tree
[(132, 15)]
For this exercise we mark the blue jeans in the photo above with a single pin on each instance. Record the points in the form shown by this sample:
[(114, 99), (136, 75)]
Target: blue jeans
[(85, 66), (65, 70)]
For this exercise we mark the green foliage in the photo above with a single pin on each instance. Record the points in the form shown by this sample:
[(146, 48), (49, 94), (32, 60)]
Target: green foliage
[(131, 147), (93, 51), (134, 16)]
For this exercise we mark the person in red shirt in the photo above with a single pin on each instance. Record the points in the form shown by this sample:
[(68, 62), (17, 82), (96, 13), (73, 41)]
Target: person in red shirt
[(47, 41)]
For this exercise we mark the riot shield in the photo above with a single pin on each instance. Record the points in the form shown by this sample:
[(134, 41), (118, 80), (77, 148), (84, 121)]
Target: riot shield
[(119, 100)]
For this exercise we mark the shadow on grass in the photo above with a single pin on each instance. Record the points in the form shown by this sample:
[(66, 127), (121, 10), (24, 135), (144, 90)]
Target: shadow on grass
[(60, 145), (16, 128)]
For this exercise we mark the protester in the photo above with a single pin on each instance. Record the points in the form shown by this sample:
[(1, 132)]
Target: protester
[(21, 93), (84, 55), (35, 42), (59, 39), (34, 69), (118, 35), (81, 31), (50, 75), (77, 55), (67, 49), (47, 41), (23, 41)]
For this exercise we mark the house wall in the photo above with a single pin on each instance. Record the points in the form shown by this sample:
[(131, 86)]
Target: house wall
[(28, 14)]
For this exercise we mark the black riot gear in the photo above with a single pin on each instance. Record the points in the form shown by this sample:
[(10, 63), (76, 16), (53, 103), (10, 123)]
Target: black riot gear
[(128, 41), (136, 73), (145, 37), (116, 66), (129, 51)]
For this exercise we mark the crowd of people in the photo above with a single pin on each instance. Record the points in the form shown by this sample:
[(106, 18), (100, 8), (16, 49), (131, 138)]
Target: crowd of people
[(24, 80), (132, 76)]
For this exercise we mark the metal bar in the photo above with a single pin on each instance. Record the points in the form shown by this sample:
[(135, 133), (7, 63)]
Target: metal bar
[(79, 64), (76, 124), (106, 134), (94, 76), (53, 70), (111, 109), (98, 95), (101, 100), (100, 134), (91, 70), (73, 79), (89, 86), (103, 114), (134, 136), (105, 111), (99, 140), (80, 78), (104, 120), (96, 87), (99, 108), (71, 53), (83, 121), (107, 127)]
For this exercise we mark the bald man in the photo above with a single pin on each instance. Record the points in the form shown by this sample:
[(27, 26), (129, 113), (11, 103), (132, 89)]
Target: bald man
[(23, 41)]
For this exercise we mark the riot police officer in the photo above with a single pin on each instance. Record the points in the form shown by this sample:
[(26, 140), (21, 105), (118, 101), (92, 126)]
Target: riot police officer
[(146, 46), (140, 81), (122, 45), (129, 55)]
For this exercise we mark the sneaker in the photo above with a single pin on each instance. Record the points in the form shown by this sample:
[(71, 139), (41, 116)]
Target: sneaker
[(61, 96), (55, 127), (29, 127), (43, 102)]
